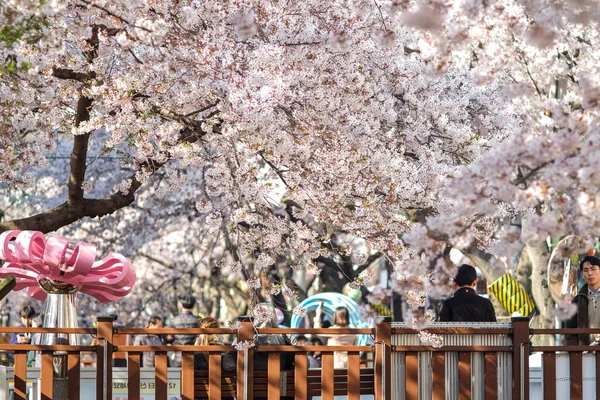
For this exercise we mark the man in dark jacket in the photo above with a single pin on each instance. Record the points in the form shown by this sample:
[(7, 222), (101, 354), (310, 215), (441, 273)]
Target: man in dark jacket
[(466, 305), (185, 319), (588, 316)]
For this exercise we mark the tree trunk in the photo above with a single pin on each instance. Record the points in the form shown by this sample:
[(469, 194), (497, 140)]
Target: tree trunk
[(539, 256)]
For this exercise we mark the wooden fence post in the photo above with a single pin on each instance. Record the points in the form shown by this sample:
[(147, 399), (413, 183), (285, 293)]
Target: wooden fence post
[(104, 350), (520, 358), (245, 386), (383, 357)]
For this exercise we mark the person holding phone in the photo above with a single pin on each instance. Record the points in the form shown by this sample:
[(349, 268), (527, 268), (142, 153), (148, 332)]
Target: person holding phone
[(26, 313)]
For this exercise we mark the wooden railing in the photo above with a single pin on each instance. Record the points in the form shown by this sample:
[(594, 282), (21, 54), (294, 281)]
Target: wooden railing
[(71, 353), (571, 383), (492, 361), (302, 384), (475, 362)]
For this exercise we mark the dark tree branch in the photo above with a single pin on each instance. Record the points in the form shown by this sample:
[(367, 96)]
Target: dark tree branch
[(522, 179), (135, 57), (67, 213), (156, 260), (79, 153), (80, 142), (65, 73), (278, 171)]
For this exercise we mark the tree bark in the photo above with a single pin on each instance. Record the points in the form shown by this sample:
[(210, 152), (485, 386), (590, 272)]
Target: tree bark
[(539, 256), (79, 153)]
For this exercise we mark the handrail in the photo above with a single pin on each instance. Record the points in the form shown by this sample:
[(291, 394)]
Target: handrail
[(564, 348), (303, 349), (177, 331), (565, 331), (46, 347), (475, 349), (23, 329), (186, 348), (455, 331), (316, 331), (293, 331)]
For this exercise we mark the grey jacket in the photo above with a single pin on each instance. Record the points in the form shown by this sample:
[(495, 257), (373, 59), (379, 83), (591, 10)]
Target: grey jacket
[(147, 340)]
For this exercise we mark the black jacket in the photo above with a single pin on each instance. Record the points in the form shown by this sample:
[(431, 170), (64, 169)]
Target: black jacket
[(579, 320), (467, 306), (185, 320)]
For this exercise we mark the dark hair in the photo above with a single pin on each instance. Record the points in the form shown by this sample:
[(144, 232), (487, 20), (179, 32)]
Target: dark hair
[(154, 319), (590, 259), (37, 320), (301, 337), (341, 316), (187, 300), (465, 276), (315, 340), (27, 311)]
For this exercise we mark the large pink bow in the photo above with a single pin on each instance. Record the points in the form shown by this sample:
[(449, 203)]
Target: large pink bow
[(30, 257)]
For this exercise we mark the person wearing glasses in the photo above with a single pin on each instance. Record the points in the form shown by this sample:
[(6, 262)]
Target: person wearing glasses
[(588, 310)]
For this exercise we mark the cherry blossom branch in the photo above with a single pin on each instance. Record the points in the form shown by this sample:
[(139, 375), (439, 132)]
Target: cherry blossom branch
[(135, 57), (156, 260), (275, 168), (112, 14), (522, 179), (380, 14), (78, 207)]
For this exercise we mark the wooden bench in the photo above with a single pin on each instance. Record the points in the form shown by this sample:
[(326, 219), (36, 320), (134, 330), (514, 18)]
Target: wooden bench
[(287, 383)]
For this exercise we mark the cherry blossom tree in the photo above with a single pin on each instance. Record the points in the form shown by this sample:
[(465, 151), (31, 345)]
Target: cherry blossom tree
[(174, 131), (539, 183)]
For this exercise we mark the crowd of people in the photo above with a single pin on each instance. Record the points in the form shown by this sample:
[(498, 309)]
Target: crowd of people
[(188, 318), (464, 306)]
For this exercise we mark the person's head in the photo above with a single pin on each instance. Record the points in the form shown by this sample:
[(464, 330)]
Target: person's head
[(341, 316), (301, 340), (590, 270), (466, 276), (26, 313), (208, 322), (187, 301), (155, 321), (37, 321), (204, 339), (316, 341)]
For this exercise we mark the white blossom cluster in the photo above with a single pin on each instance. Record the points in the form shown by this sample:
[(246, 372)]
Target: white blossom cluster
[(262, 314)]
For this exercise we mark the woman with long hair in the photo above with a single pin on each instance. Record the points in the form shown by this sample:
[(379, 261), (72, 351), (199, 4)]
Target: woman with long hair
[(341, 319), (204, 339)]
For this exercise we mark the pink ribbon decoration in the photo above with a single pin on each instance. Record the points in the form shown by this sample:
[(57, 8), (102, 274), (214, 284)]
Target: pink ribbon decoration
[(31, 257)]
